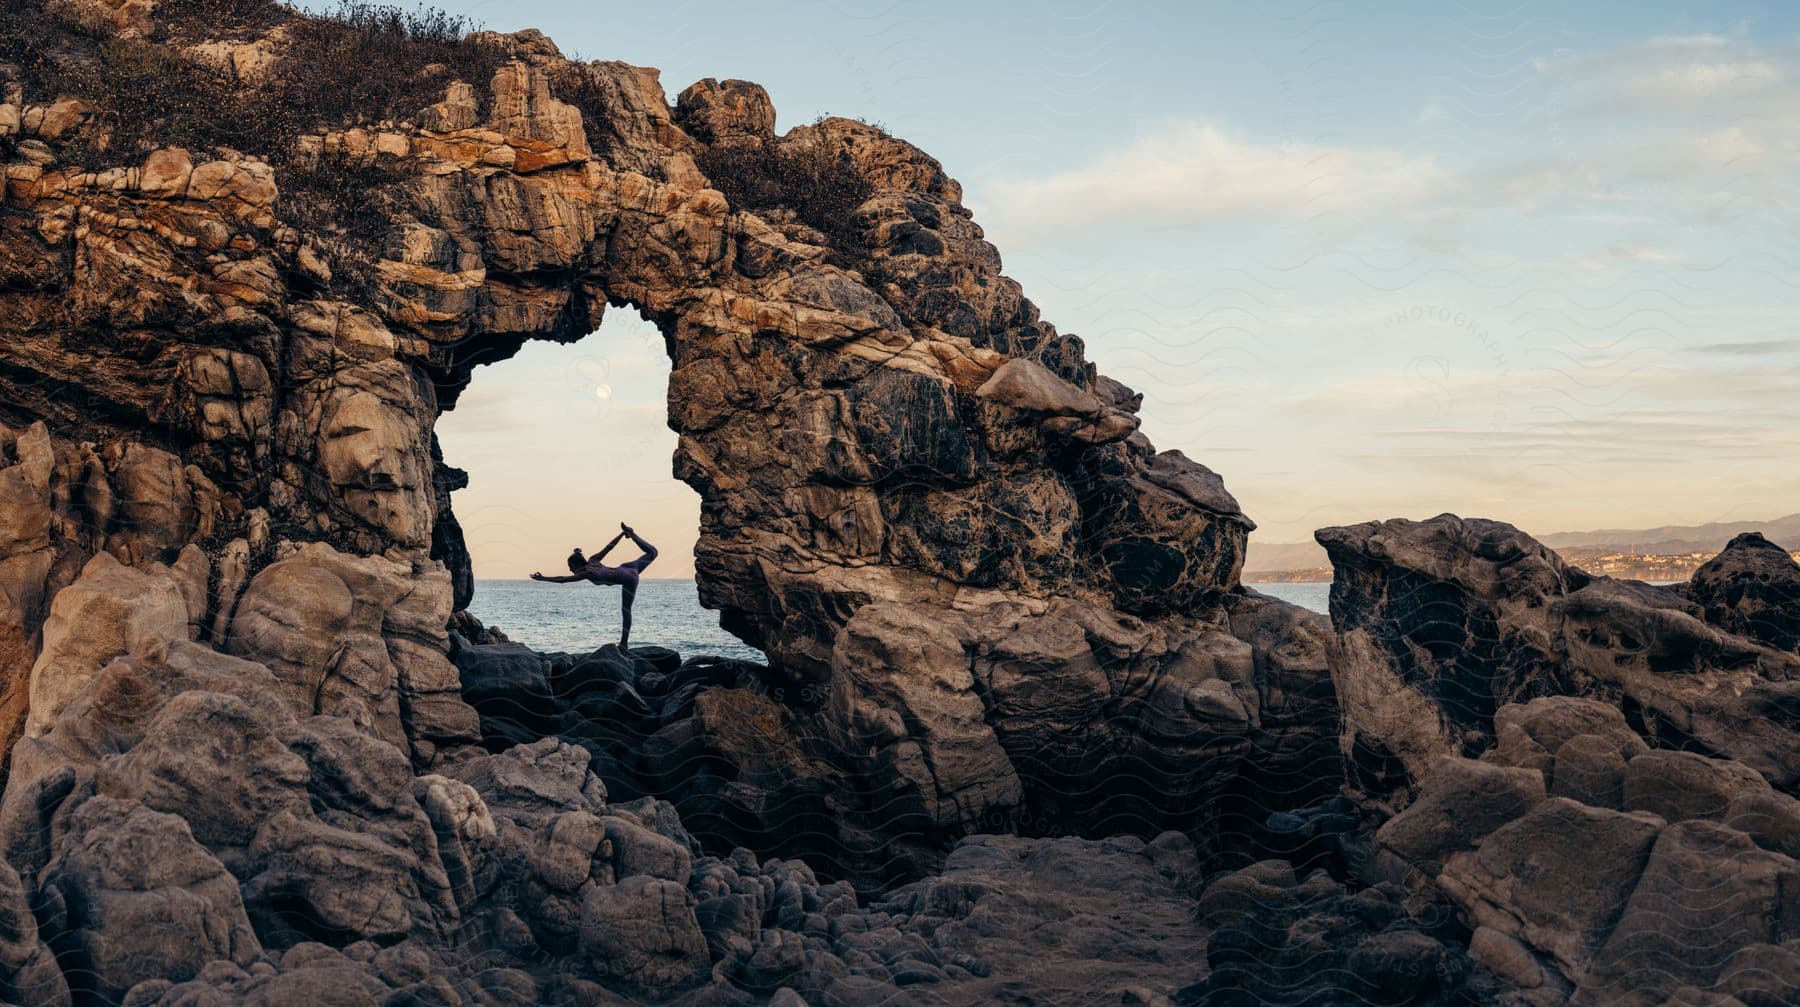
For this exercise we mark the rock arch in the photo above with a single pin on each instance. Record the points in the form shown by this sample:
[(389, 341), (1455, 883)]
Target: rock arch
[(993, 599)]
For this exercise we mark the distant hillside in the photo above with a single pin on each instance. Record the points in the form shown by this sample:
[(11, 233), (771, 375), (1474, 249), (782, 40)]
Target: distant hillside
[(1672, 539), (1670, 552), (1284, 556)]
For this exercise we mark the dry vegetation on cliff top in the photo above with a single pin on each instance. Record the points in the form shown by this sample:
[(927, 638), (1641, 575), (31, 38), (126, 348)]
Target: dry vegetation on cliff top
[(354, 63), (357, 62), (819, 184)]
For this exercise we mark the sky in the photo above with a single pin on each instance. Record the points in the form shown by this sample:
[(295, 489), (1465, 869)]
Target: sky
[(1366, 260)]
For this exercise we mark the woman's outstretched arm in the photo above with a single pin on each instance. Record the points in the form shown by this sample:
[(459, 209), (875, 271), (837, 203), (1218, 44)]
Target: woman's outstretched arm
[(608, 547), (570, 579)]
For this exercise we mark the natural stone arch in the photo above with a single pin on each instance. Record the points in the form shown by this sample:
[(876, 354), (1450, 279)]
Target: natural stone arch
[(819, 399), (915, 492)]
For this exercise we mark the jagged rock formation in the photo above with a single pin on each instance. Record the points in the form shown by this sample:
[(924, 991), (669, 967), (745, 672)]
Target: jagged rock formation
[(1444, 621), (1752, 588), (917, 497), (1279, 939), (228, 555), (190, 834), (1596, 777), (1597, 879), (716, 739), (250, 761)]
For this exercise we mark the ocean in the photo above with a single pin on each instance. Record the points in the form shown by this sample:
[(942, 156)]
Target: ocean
[(1314, 596), (578, 618)]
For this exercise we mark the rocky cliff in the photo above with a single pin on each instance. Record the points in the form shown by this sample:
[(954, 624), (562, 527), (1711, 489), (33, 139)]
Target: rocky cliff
[(917, 496), (242, 278), (1596, 777), (1021, 733)]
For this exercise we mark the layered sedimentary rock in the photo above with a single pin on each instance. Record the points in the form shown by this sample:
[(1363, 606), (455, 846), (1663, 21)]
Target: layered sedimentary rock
[(917, 497), (251, 761), (229, 557)]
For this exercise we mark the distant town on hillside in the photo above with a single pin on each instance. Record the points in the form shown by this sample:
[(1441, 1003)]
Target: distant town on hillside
[(1667, 553)]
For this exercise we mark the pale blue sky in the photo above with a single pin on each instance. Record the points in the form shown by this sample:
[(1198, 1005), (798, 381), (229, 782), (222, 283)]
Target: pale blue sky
[(1365, 260)]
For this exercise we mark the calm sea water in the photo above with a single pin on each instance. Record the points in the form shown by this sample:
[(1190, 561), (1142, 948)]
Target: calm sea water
[(580, 617), (1314, 596)]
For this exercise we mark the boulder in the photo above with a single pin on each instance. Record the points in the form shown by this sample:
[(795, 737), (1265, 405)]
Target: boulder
[(1752, 589), (1767, 816), (1553, 721), (1589, 769), (1555, 880), (360, 637), (208, 757), (110, 611), (508, 684), (143, 899), (1706, 893), (725, 112), (902, 691), (1461, 802), (313, 880), (1314, 942), (1683, 785), (642, 930)]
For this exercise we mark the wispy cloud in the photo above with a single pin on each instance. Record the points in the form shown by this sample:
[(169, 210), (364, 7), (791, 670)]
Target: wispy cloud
[(1671, 128), (1671, 68), (1763, 348), (1196, 172)]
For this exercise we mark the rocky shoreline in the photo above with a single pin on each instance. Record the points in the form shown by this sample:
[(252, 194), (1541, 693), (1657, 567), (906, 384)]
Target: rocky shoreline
[(1022, 736)]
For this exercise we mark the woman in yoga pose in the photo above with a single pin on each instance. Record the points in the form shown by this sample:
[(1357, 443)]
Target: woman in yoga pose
[(625, 575)]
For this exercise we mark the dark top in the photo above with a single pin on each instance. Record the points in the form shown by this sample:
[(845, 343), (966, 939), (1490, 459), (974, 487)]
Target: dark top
[(624, 575)]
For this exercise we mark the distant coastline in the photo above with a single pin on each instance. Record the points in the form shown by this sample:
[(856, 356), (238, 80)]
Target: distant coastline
[(1667, 553), (1665, 567), (1306, 575)]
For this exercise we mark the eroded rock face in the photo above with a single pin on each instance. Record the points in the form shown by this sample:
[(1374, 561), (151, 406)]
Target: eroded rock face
[(1595, 776), (1569, 899), (940, 724), (865, 420), (1751, 589), (1443, 622), (195, 834), (918, 498), (252, 765), (1280, 939)]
